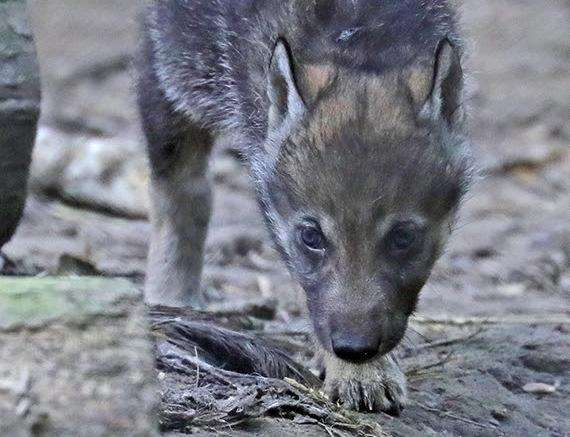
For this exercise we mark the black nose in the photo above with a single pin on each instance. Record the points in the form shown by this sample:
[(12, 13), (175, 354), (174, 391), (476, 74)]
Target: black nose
[(355, 349)]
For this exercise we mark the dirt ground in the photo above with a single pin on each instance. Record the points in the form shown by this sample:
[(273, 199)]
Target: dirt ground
[(495, 315)]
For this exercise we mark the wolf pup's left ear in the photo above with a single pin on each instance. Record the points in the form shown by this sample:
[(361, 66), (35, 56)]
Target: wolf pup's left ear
[(445, 99), (285, 102)]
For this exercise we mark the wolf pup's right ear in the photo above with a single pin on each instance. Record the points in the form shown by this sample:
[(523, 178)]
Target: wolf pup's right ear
[(446, 94), (285, 103)]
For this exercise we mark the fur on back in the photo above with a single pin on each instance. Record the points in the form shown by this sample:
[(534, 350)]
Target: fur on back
[(212, 56)]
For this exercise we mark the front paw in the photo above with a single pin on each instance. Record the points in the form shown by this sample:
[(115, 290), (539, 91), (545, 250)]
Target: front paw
[(378, 385)]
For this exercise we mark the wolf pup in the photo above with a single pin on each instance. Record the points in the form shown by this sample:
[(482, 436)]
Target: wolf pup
[(350, 116)]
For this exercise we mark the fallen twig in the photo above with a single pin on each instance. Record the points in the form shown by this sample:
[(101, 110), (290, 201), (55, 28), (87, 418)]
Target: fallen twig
[(414, 372), (449, 341), (555, 319), (455, 417)]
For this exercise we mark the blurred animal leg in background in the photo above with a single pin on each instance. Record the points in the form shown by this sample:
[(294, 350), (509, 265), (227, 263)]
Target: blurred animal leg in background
[(19, 113)]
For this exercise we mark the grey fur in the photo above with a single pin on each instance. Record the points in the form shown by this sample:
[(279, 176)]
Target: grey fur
[(351, 118), (181, 206)]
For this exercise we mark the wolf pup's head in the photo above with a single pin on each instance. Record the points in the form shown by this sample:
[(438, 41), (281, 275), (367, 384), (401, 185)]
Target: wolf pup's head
[(360, 178)]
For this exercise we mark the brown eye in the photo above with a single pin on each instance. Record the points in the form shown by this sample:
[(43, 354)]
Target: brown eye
[(402, 237), (313, 238)]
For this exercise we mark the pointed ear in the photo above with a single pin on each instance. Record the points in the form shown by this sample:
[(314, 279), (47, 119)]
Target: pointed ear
[(285, 101), (445, 99)]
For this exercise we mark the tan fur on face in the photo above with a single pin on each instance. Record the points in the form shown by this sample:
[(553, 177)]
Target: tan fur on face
[(370, 102), (316, 78), (333, 112), (388, 109), (419, 82)]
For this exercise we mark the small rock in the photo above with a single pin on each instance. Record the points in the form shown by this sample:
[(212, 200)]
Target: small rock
[(6, 264), (74, 265), (484, 252), (540, 388), (500, 413), (513, 289), (554, 361)]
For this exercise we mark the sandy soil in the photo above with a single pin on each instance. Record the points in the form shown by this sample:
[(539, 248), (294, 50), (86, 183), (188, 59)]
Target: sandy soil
[(505, 274)]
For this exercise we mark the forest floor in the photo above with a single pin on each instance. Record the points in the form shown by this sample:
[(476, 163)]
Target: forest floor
[(495, 315)]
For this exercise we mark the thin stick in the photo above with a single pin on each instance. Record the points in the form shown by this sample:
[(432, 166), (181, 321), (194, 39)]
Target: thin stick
[(454, 416), (449, 341), (416, 371), (555, 319)]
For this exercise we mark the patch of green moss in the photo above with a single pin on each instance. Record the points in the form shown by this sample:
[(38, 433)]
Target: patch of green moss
[(34, 301)]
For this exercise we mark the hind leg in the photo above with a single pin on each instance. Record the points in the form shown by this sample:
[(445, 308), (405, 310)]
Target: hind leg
[(180, 201)]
